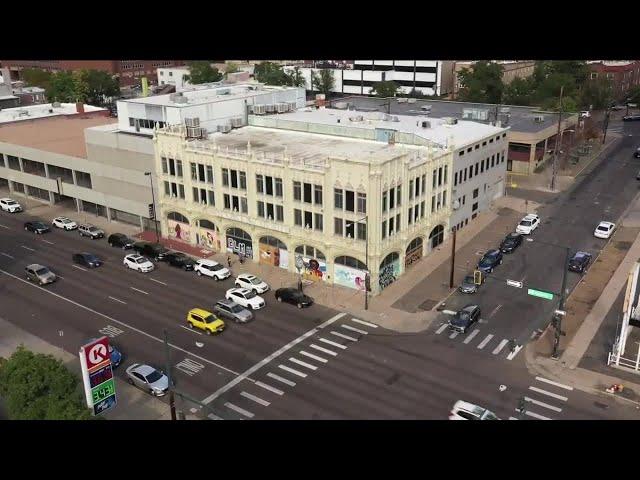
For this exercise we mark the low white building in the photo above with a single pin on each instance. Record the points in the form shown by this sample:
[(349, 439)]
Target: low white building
[(173, 76)]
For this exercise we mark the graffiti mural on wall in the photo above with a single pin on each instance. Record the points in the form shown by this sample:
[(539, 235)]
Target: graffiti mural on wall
[(348, 277), (241, 246), (313, 269), (179, 231), (209, 239), (388, 274)]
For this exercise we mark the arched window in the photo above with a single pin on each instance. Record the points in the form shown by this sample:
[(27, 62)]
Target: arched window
[(178, 217), (207, 224), (311, 252), (414, 245), (436, 236), (389, 259), (273, 242), (238, 233), (348, 261)]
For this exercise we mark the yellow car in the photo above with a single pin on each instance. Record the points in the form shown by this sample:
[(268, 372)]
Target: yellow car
[(207, 321)]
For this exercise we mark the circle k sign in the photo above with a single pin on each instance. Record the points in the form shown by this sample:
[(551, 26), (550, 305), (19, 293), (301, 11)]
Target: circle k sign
[(96, 353)]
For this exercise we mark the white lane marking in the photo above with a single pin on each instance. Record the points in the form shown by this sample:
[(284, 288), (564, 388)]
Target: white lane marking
[(190, 330), (512, 355), (471, 335), (27, 248), (281, 379), (190, 367), (79, 268), (241, 411), (495, 310), (362, 322), (513, 418), (4, 226), (304, 364), (342, 335), (266, 360), (291, 370), (486, 340), (138, 290), (213, 417), (343, 347), (315, 357), (449, 312), (6, 255), (441, 329), (322, 349), (354, 329), (270, 388), (115, 299), (535, 415), (566, 387), (111, 331), (500, 346), (542, 404), (544, 392), (47, 241), (454, 334), (255, 399), (157, 281), (141, 332)]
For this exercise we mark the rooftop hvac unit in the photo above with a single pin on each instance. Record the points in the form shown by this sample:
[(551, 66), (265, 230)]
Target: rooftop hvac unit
[(386, 117), (56, 105), (282, 107), (292, 106), (411, 100), (504, 118), (395, 118), (426, 108), (173, 96), (538, 119), (505, 109), (181, 99), (270, 108), (225, 128), (450, 121), (259, 109), (236, 122), (356, 118), (402, 100), (426, 124), (192, 122), (341, 105)]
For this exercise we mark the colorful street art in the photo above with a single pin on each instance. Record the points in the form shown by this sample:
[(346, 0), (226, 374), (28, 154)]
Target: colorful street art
[(348, 277), (313, 269), (179, 231)]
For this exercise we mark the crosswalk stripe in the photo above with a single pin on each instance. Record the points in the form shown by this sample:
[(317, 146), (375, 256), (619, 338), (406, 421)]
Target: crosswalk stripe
[(322, 349), (270, 388), (315, 357), (255, 399), (442, 327), (332, 343), (513, 418), (535, 415), (354, 329), (304, 364), (213, 417), (566, 387), (449, 312), (542, 404), (362, 322), (291, 370), (280, 379), (544, 392), (454, 334), (342, 335), (512, 355), (486, 340), (241, 411), (471, 335), (500, 347)]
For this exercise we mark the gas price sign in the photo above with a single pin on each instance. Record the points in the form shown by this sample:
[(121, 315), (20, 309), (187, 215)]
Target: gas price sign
[(97, 376)]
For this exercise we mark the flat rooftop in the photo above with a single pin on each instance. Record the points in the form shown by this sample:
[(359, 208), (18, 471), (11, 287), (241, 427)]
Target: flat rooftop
[(32, 112), (64, 135)]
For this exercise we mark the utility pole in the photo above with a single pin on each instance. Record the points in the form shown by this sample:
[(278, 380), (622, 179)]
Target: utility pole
[(557, 319), (555, 153), (453, 257), (172, 402), (367, 284), (606, 125), (153, 202)]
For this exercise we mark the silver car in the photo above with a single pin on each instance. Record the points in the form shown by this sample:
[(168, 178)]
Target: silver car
[(230, 310), (148, 379), (39, 274)]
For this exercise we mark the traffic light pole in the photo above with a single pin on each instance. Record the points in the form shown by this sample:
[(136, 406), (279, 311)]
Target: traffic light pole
[(453, 257), (153, 200), (557, 320), (172, 402)]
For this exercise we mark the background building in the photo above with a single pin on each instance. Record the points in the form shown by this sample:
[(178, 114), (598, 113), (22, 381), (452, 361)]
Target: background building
[(624, 75), (512, 69)]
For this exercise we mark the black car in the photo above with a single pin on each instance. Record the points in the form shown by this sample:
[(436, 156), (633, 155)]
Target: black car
[(464, 318), (152, 250), (37, 227), (120, 240), (293, 296), (636, 154), (511, 242), (579, 262), (177, 259), (631, 118), (490, 260), (87, 259)]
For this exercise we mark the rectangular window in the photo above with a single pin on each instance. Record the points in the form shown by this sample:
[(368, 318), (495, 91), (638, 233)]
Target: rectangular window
[(492, 160), (317, 221), (477, 167), (268, 185), (179, 168), (482, 166), (384, 229), (474, 207), (475, 193), (362, 203), (465, 174), (307, 192), (416, 213), (210, 174), (391, 225), (398, 195), (349, 229), (194, 193), (279, 213), (422, 209), (398, 225), (244, 208), (337, 198), (337, 226), (243, 180), (270, 211), (172, 167), (297, 191), (392, 198), (308, 219), (234, 178), (278, 187), (502, 158), (439, 201), (440, 176), (225, 177), (435, 179), (194, 171), (464, 199), (261, 209), (424, 184), (181, 191), (384, 201), (470, 172), (417, 186), (164, 165), (203, 195), (349, 200), (455, 179), (259, 183), (167, 189), (410, 216), (317, 194), (446, 170), (362, 231), (174, 189), (411, 182), (83, 179), (235, 204), (201, 175), (297, 217), (444, 198), (212, 197), (433, 203)]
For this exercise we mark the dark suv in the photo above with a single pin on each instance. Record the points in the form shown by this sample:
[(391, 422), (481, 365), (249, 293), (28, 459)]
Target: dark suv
[(120, 240), (178, 259), (510, 242), (579, 262), (463, 319), (151, 250), (490, 260)]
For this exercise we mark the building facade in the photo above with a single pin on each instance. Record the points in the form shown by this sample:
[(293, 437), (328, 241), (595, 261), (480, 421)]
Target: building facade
[(512, 69), (624, 75)]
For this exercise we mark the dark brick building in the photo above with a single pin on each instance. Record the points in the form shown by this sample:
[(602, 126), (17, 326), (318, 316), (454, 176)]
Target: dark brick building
[(624, 75)]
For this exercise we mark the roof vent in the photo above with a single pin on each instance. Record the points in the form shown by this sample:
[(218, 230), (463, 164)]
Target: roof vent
[(538, 119)]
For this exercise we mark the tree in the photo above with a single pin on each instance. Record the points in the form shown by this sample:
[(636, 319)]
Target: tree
[(231, 68), (202, 72), (634, 95), (62, 87), (519, 92), (270, 74), (597, 94), (482, 83), (385, 89), (296, 79), (99, 87), (323, 81), (39, 387), (36, 77)]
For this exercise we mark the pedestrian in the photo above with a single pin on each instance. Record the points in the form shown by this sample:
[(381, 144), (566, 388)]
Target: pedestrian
[(241, 258), (229, 261)]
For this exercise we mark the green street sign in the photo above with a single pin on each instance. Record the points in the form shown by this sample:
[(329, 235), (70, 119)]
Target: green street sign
[(540, 293)]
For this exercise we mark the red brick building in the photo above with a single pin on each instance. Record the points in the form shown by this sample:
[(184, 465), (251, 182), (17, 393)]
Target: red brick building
[(623, 74), (129, 72)]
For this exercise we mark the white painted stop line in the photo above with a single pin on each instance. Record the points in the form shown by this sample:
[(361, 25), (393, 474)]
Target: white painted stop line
[(315, 357), (471, 335), (322, 349), (486, 340), (442, 327), (304, 364), (500, 346), (362, 322), (255, 399)]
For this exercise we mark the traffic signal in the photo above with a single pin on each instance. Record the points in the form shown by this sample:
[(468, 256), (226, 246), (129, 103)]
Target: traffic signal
[(152, 212), (367, 282), (477, 277)]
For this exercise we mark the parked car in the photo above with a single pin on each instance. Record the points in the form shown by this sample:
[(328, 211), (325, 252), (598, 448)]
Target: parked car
[(528, 224), (64, 223), (511, 242), (631, 118), (10, 205), (468, 285), (207, 321), (120, 240), (115, 354), (490, 260), (212, 269), (636, 154), (39, 274), (579, 262), (152, 250), (37, 227), (245, 297), (294, 296), (148, 378), (178, 259), (138, 263), (468, 411), (464, 318), (604, 230), (91, 231), (251, 282), (232, 311), (87, 259)]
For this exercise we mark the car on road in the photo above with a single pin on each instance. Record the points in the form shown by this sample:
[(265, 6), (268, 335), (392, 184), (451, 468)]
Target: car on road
[(464, 318), (468, 285), (147, 378), (585, 114), (511, 242), (245, 297), (138, 263), (120, 240), (64, 223), (293, 296), (87, 259), (604, 229), (528, 224), (152, 250), (251, 282), (39, 274), (37, 226), (212, 269), (114, 353), (91, 231), (490, 260), (232, 311), (631, 118), (617, 108), (636, 154), (10, 205), (468, 411), (180, 260), (207, 321), (579, 262)]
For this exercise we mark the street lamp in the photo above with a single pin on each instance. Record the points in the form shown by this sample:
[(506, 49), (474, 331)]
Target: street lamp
[(367, 281), (152, 210)]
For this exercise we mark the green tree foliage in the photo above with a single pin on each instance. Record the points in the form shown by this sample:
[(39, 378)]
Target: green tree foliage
[(202, 72), (39, 387), (597, 93), (231, 68), (62, 87), (296, 79), (385, 89), (634, 95), (519, 92), (270, 73), (36, 77), (482, 83), (323, 81), (99, 87)]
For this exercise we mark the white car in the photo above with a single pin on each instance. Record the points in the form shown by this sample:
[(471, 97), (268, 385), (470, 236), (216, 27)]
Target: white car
[(528, 224), (251, 282), (138, 263), (585, 114), (64, 223), (212, 269), (9, 205), (245, 297), (604, 229), (468, 411)]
